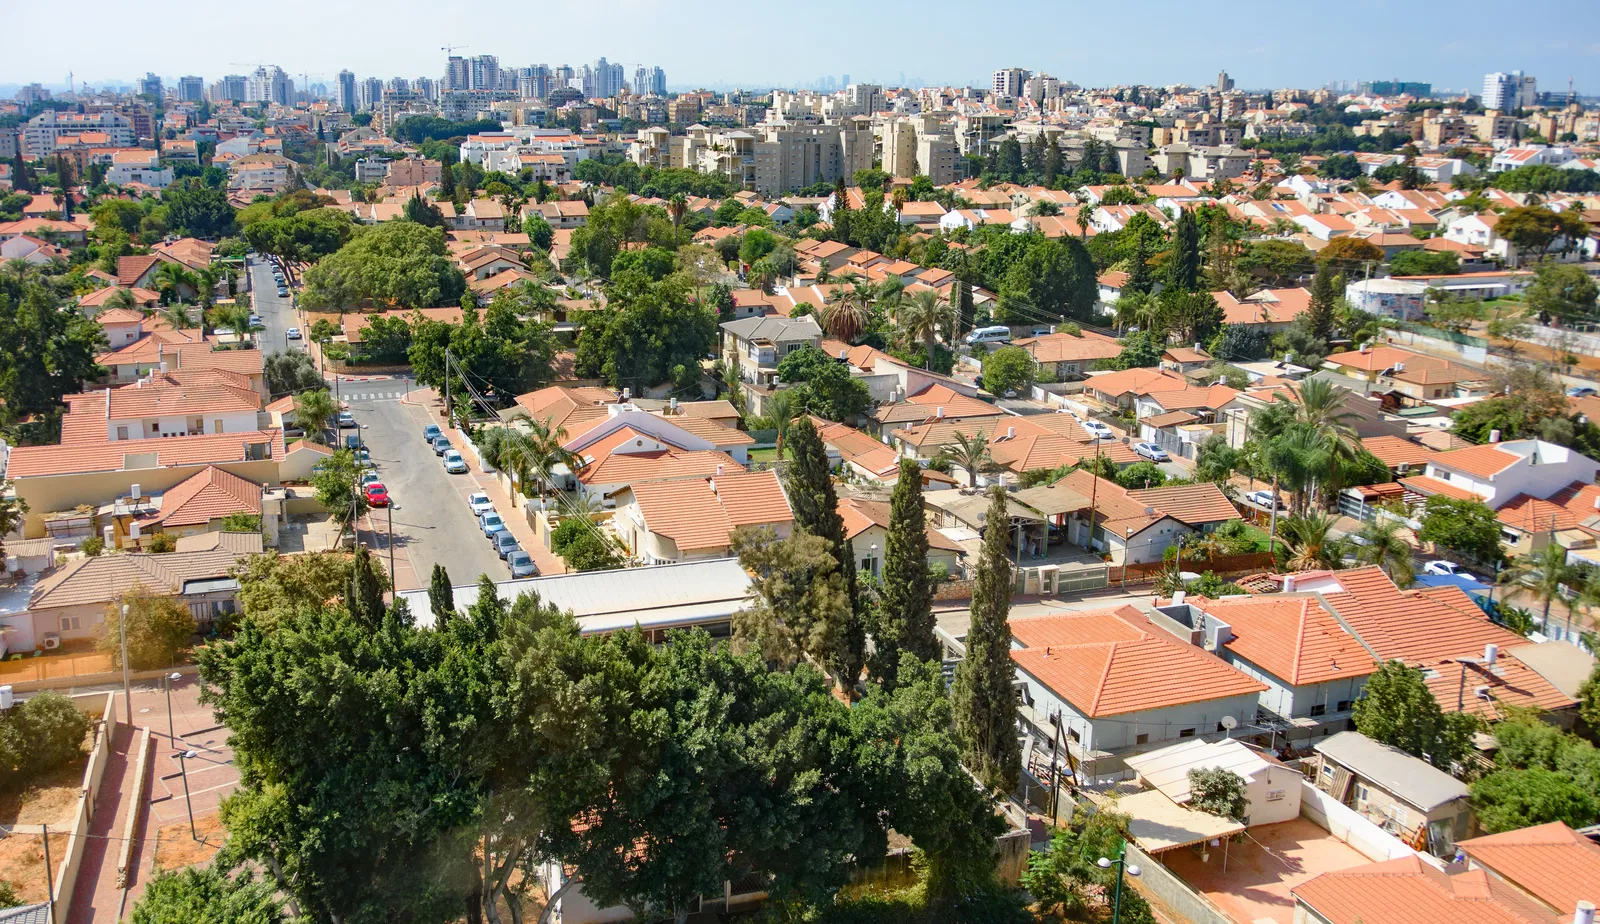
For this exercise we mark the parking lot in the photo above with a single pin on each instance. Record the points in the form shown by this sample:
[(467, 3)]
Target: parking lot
[(429, 512)]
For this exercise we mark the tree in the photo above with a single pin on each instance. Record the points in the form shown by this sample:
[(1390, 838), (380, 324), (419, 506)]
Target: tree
[(1067, 882), (1276, 263), (338, 488), (1009, 370), (441, 595), (38, 735), (1307, 543), (206, 895), (1046, 277), (1510, 799), (1240, 343), (646, 329), (315, 412), (422, 212), (1399, 710), (1589, 702), (589, 551), (1562, 290), (801, 604), (1545, 574), (45, 352), (1348, 255), (970, 452), (1183, 269), (1219, 792), (905, 614), (985, 703), (1424, 263), (1382, 545), (1319, 314), (394, 264), (809, 486), (1142, 475), (196, 210), (289, 372), (1531, 228), (923, 317), (1215, 461), (1193, 316), (539, 232), (159, 628), (847, 311), (1466, 527)]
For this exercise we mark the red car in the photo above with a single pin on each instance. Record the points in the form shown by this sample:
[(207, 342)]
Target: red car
[(377, 494)]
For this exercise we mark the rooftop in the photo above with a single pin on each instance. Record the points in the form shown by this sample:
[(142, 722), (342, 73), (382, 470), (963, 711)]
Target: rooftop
[(1411, 779)]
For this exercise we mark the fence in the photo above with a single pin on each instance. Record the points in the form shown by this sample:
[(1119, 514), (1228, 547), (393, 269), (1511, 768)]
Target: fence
[(1347, 825), (66, 879), (1174, 892), (1222, 566)]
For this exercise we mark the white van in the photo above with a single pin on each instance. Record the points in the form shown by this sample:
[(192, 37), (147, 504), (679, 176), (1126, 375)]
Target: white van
[(996, 334)]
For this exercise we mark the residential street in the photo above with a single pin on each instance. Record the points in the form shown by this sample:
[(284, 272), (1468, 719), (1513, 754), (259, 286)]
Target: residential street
[(276, 313)]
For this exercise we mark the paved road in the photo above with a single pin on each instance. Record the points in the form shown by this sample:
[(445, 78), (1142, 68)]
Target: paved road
[(431, 519), (276, 313)]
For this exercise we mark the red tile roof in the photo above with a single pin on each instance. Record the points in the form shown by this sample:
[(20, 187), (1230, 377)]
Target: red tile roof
[(699, 513), (860, 515), (1291, 637), (1551, 862), (1192, 504), (1394, 451), (1115, 661), (1408, 891), (1484, 461), (108, 456), (207, 495)]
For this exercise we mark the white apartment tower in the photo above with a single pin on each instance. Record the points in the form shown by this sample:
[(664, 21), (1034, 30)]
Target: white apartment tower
[(1505, 92), (1008, 81)]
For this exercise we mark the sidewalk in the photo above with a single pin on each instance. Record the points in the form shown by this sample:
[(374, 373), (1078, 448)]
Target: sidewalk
[(96, 897)]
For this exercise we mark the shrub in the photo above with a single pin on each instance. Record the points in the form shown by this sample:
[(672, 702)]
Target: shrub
[(42, 733), (159, 628), (93, 546), (163, 542)]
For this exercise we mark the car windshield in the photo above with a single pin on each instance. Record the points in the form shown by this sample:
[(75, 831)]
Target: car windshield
[(492, 519), (520, 558)]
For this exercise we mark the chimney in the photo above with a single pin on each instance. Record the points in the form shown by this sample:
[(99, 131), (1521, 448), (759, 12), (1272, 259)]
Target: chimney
[(1011, 433), (1491, 654), (1177, 598), (1584, 913), (1366, 348), (938, 413), (674, 405), (1399, 367), (627, 394), (1197, 348), (1288, 583), (1494, 436), (719, 469), (844, 354), (1047, 651)]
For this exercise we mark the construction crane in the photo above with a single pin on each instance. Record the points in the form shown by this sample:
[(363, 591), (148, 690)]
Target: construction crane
[(451, 49)]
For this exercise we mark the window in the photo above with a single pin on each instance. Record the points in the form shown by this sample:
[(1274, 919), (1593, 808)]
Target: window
[(1141, 739), (71, 623), (1319, 709), (1327, 771), (122, 433), (216, 425), (1186, 733), (1362, 793), (1344, 705)]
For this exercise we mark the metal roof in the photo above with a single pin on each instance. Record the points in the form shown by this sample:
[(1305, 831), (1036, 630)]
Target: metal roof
[(1411, 779)]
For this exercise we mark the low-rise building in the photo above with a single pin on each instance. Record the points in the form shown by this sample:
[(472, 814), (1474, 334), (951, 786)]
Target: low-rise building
[(1399, 793)]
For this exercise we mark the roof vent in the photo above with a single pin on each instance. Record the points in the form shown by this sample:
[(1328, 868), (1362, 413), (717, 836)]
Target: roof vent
[(1491, 654), (844, 354), (1481, 692), (1149, 511), (1011, 433), (1399, 367), (938, 413), (1494, 436)]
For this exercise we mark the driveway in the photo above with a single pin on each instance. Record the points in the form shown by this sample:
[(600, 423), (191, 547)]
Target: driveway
[(432, 523)]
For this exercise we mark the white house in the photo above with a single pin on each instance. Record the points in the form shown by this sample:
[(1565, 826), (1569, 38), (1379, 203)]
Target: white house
[(1529, 156), (1271, 789), (1498, 472), (138, 167)]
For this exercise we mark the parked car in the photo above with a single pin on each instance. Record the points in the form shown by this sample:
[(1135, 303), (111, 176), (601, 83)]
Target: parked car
[(1262, 499), (1152, 452), (292, 333), (999, 333), (1581, 391), (431, 432), (522, 564), (1098, 430), (283, 292), (346, 419), (370, 478), (491, 523), (441, 445), (255, 322), (505, 543), (377, 494), (454, 464), (480, 504), (363, 457), (1447, 568)]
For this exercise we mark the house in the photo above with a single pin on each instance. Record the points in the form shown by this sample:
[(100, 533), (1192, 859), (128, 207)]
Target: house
[(194, 506), (138, 166), (1183, 360), (631, 445), (1404, 795), (1120, 389), (159, 410), (1550, 864), (1119, 685), (1314, 669), (1324, 226), (756, 345), (1269, 310), (866, 526), (1366, 415), (1401, 456), (691, 518), (1204, 401), (93, 303), (862, 455), (1068, 355), (1497, 473), (70, 604), (1272, 789), (936, 402), (1409, 889), (32, 250), (72, 233)]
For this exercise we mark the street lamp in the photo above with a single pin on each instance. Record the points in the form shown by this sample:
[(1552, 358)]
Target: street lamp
[(1121, 864), (872, 560), (172, 735), (183, 771), (127, 689)]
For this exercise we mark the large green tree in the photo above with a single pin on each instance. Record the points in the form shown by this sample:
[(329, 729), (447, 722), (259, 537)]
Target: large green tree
[(1399, 710), (809, 485), (1183, 269), (45, 352), (905, 613), (984, 698), (646, 331), (398, 264), (196, 210), (1465, 526), (1562, 290), (206, 895)]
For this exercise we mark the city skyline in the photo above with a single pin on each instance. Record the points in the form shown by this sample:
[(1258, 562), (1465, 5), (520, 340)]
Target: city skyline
[(1456, 54)]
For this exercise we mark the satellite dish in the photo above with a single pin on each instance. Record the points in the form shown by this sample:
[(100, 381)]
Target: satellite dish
[(1229, 722)]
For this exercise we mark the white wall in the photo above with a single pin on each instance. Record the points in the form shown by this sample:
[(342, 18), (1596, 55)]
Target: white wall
[(1113, 733), (232, 422), (1274, 793)]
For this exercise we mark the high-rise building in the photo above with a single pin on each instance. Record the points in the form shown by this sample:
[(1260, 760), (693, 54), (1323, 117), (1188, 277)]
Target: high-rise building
[(1416, 88), (658, 81), (456, 73), (191, 89), (234, 87), (151, 86), (1505, 92), (533, 82), (270, 85), (483, 72), (1224, 82), (368, 92), (1008, 82), (425, 88), (346, 97)]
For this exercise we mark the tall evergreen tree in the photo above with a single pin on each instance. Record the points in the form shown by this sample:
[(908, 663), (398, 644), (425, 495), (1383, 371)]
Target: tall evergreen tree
[(1319, 315), (21, 177), (985, 703), (447, 182), (441, 596), (1184, 269), (816, 510), (905, 621), (1139, 279), (364, 599)]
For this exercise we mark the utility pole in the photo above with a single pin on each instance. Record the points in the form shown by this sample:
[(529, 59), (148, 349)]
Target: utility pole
[(49, 876), (127, 690), (1272, 534), (447, 387), (393, 584)]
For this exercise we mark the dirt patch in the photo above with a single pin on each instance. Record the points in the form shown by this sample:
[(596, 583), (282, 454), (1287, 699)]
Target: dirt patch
[(22, 863), (47, 800), (177, 848)]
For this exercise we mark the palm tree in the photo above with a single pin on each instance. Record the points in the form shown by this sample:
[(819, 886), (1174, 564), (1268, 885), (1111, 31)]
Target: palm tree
[(206, 285), (782, 409), (313, 410), (1085, 213), (538, 451), (677, 207), (120, 298), (971, 453), (924, 316), (171, 278), (847, 311), (1321, 405), (1296, 458), (1381, 544), (1543, 574), (176, 315), (1309, 544)]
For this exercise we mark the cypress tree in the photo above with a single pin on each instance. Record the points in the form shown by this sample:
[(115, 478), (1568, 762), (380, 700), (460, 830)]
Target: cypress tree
[(365, 597), (985, 704), (816, 510), (1139, 269), (905, 621), (441, 596), (1185, 267), (447, 181), (21, 180), (1319, 314)]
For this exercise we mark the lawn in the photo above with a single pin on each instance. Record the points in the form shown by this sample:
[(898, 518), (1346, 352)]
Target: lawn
[(764, 455)]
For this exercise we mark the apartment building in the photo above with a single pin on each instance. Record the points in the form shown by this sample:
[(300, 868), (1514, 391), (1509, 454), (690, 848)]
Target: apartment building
[(918, 145), (775, 157), (40, 134)]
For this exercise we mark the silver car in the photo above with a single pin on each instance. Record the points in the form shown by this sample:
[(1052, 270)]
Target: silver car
[(505, 544), (522, 565)]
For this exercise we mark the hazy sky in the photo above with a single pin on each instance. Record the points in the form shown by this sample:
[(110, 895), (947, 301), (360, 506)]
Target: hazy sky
[(1262, 44)]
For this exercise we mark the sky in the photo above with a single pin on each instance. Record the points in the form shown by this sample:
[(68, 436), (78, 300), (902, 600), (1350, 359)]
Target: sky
[(1262, 44)]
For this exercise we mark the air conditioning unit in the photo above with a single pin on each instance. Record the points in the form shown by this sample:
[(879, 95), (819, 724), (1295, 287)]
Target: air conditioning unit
[(52, 640)]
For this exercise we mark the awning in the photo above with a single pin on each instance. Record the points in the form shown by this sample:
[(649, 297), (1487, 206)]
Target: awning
[(1157, 824)]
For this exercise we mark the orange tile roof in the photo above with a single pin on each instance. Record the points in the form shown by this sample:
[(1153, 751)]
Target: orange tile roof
[(1169, 419), (207, 495), (1484, 461), (1532, 515), (858, 448), (1115, 661), (156, 400), (115, 315), (571, 408), (1551, 862), (1192, 504), (1291, 637), (1395, 451), (925, 404), (1377, 359), (699, 513), (1426, 485), (1196, 396), (1408, 890), (666, 465), (1064, 347), (709, 430), (109, 456), (107, 577), (860, 515), (1135, 381)]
